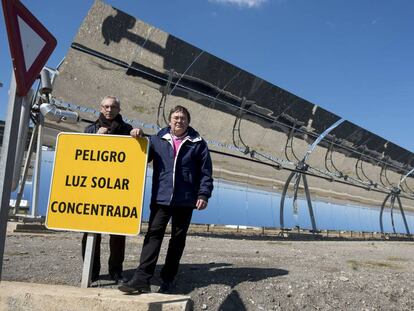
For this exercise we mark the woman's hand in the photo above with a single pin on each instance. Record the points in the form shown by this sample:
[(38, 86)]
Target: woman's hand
[(136, 132), (201, 204)]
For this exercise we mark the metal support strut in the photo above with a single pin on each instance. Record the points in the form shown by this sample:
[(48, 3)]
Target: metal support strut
[(395, 194), (300, 174), (392, 196)]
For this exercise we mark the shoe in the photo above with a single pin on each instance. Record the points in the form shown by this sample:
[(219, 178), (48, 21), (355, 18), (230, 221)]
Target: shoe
[(134, 285), (94, 277), (116, 277), (166, 287)]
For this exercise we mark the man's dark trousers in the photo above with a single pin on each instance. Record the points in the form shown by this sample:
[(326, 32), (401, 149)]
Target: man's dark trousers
[(160, 215), (116, 253)]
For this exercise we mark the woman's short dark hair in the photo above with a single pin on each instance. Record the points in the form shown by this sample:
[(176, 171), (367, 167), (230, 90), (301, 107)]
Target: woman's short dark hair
[(182, 109)]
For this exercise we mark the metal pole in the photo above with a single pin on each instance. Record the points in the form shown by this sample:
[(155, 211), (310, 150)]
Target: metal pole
[(36, 173), (25, 170), (403, 215), (392, 212), (282, 199), (381, 212), (88, 260), (308, 198), (22, 137), (8, 156)]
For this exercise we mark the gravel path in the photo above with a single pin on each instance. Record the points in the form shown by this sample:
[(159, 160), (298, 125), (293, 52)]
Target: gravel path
[(242, 273)]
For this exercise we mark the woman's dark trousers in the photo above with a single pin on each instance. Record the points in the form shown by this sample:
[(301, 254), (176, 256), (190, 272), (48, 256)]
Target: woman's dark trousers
[(160, 215)]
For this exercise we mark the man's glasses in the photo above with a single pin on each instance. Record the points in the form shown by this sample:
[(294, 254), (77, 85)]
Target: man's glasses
[(109, 107)]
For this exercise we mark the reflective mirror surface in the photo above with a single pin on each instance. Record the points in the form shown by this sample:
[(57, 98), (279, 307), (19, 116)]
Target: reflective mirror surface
[(260, 135)]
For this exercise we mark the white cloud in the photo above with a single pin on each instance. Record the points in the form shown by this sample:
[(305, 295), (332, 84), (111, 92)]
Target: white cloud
[(242, 3)]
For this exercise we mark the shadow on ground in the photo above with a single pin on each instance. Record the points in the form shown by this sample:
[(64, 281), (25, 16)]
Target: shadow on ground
[(193, 276)]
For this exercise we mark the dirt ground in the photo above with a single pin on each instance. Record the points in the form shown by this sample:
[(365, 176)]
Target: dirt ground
[(240, 272)]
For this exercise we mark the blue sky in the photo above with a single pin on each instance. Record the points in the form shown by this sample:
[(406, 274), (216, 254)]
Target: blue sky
[(354, 58)]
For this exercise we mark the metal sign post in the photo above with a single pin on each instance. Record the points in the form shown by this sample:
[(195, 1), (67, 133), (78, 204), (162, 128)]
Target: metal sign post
[(8, 156), (88, 260)]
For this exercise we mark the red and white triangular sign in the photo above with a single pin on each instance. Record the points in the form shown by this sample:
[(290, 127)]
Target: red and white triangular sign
[(30, 43)]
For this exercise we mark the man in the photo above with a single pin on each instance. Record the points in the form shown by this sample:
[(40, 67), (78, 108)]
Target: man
[(182, 181), (109, 122)]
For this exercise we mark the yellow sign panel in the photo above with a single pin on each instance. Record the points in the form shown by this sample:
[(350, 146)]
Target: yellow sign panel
[(97, 184)]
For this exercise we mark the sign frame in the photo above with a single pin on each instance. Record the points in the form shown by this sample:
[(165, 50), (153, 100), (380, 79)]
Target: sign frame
[(94, 136)]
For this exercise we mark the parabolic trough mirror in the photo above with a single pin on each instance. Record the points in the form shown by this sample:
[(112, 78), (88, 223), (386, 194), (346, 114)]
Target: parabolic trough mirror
[(263, 139)]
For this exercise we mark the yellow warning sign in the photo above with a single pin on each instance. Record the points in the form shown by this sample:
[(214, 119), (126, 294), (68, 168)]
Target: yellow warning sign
[(97, 184)]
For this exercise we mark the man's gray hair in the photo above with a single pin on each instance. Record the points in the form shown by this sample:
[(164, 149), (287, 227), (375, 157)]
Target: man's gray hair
[(116, 99)]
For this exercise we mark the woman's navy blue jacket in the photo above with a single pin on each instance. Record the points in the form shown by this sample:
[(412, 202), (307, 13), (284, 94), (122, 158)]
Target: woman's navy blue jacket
[(180, 181)]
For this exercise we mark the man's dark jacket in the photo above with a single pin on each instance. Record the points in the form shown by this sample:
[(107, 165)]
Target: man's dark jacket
[(124, 128)]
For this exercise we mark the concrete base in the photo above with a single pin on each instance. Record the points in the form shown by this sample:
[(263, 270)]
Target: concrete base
[(32, 228), (27, 227), (39, 297)]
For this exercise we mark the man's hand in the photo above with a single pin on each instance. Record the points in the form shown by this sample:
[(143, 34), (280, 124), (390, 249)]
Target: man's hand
[(201, 204), (137, 132), (102, 130)]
